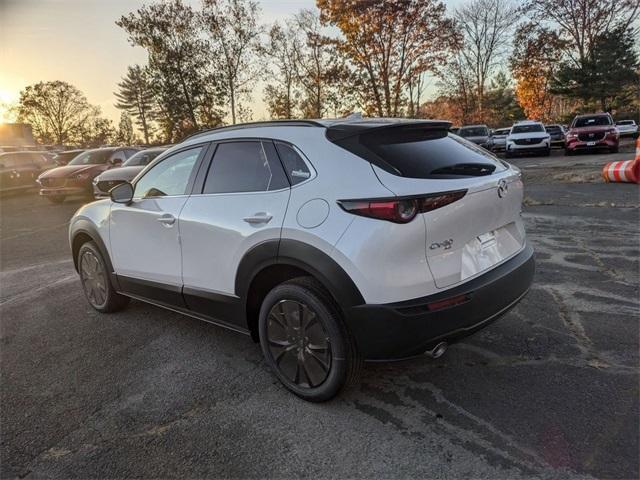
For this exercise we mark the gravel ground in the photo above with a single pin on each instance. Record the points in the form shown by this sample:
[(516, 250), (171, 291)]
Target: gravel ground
[(548, 391)]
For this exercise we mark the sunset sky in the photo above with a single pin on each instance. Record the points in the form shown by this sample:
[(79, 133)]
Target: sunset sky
[(78, 41)]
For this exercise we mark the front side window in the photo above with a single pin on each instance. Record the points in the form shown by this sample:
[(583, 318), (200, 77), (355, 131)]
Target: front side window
[(169, 177), (244, 167), (294, 165)]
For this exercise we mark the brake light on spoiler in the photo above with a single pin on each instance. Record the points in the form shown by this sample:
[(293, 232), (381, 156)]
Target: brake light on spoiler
[(400, 209)]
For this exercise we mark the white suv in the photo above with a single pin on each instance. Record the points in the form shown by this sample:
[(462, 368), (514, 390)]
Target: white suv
[(329, 242), (528, 137)]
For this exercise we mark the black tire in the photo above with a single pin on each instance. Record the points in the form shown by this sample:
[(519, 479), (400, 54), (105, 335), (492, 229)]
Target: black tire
[(614, 149), (507, 154), (57, 199), (96, 281), (547, 153), (568, 152), (314, 373)]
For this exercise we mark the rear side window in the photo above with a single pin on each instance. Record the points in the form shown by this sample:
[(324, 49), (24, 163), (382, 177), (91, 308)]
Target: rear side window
[(244, 167), (295, 167), (422, 153)]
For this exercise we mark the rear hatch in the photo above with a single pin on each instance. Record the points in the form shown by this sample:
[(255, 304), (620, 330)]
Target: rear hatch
[(471, 235)]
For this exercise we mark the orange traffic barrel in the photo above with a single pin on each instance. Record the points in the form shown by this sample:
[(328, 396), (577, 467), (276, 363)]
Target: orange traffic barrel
[(623, 171)]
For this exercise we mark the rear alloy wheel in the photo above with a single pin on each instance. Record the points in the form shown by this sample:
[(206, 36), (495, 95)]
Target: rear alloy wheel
[(96, 281), (305, 341)]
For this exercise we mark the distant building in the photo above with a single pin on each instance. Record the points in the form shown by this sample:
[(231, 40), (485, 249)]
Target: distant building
[(16, 135)]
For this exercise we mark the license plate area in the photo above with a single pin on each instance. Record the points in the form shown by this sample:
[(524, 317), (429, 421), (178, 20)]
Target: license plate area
[(591, 144)]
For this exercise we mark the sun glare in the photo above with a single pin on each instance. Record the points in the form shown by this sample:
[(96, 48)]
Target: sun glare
[(7, 101)]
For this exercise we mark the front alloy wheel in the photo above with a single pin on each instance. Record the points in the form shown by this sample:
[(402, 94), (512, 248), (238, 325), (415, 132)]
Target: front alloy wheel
[(94, 279)]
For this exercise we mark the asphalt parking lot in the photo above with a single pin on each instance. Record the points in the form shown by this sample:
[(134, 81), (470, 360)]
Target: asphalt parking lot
[(550, 390)]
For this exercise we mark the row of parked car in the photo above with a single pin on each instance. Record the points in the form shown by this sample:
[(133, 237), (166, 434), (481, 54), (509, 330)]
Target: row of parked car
[(74, 172), (594, 131)]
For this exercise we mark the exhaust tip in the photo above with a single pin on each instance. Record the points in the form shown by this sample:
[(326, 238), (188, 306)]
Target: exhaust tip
[(438, 350)]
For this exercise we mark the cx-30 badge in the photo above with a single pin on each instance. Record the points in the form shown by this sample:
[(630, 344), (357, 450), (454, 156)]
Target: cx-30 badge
[(502, 188), (446, 244)]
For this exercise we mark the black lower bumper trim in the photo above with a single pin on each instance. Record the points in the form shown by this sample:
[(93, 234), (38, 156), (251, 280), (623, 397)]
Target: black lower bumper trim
[(404, 329)]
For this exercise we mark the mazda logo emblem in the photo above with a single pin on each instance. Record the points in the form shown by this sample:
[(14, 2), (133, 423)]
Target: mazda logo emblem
[(502, 188)]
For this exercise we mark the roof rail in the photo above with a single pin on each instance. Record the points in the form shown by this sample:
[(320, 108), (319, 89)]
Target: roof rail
[(268, 123)]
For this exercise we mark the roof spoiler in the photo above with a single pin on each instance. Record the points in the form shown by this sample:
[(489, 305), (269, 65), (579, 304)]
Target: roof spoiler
[(349, 129)]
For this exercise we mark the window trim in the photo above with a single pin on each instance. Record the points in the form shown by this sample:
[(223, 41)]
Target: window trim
[(199, 188), (205, 146)]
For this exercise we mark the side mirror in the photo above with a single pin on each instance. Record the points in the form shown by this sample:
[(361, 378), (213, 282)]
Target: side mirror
[(122, 193)]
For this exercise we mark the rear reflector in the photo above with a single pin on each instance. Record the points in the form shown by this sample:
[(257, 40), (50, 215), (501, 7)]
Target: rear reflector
[(447, 302), (400, 209)]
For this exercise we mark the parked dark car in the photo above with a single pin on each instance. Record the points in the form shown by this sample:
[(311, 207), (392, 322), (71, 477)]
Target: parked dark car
[(127, 172), (63, 158), (590, 132), (19, 170), (557, 134), (76, 177), (478, 134)]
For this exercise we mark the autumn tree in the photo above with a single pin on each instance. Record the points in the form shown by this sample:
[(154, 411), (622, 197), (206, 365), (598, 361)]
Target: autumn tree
[(57, 111), (390, 42), (457, 94), (233, 29), (178, 63), (534, 61), (136, 97), (281, 93), (486, 26)]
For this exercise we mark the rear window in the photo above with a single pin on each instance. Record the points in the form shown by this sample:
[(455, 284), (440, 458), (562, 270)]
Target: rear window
[(422, 153), (595, 121), (527, 128), (473, 132), (552, 128), (625, 122), (142, 158)]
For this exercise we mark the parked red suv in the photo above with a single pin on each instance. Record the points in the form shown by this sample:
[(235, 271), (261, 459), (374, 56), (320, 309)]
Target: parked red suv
[(76, 177), (592, 131)]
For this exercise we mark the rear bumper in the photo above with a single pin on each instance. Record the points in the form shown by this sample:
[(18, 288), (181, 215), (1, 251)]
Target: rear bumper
[(404, 329)]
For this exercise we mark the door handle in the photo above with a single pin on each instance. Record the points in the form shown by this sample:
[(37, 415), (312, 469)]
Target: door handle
[(167, 219), (258, 218)]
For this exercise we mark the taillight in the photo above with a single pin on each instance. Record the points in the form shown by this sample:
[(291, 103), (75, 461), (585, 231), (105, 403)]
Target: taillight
[(400, 209)]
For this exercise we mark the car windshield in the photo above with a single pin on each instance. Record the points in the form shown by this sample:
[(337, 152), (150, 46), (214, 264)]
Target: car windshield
[(92, 157), (625, 122), (504, 131), (596, 121), (142, 158), (474, 132), (536, 127)]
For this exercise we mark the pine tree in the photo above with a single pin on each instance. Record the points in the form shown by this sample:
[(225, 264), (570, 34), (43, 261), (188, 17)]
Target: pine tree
[(136, 97)]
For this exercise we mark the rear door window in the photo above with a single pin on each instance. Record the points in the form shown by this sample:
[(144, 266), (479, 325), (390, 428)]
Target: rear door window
[(416, 152), (244, 166)]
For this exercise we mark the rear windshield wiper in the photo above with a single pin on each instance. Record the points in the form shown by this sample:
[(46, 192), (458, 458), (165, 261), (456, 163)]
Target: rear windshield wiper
[(466, 169)]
